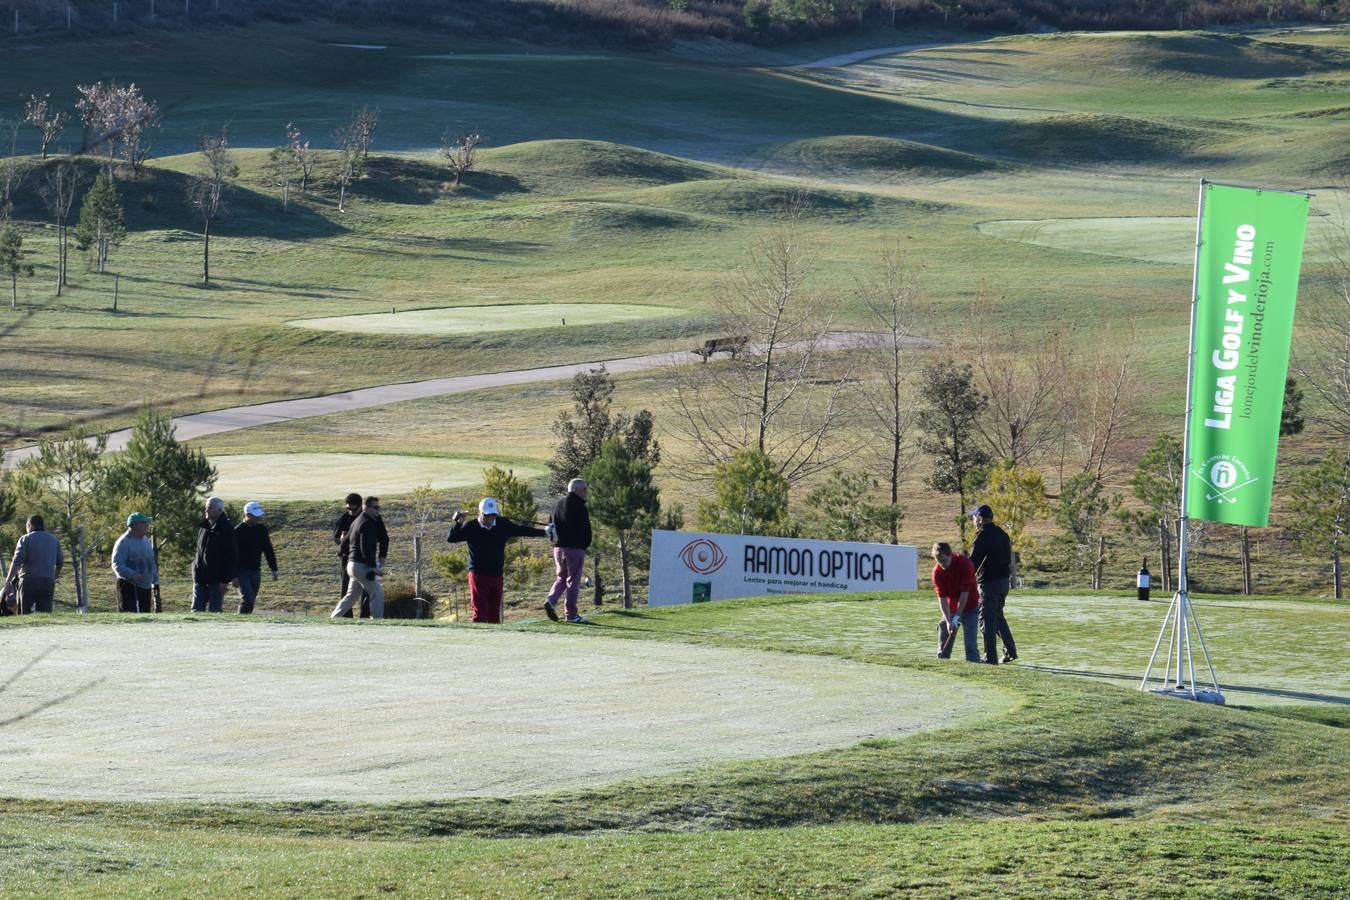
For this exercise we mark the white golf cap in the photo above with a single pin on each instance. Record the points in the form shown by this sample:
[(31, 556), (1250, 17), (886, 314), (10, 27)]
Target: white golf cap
[(488, 507), (253, 508)]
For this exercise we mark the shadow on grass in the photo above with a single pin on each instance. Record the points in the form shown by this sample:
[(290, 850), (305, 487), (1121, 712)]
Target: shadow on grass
[(1224, 686), (46, 704)]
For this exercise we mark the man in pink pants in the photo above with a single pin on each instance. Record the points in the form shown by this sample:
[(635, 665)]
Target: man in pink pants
[(570, 528)]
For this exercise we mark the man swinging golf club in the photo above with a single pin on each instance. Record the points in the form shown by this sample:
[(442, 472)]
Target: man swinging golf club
[(958, 601)]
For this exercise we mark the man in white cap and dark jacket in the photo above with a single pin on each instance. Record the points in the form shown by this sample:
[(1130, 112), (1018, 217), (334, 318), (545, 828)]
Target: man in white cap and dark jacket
[(255, 542), (487, 536)]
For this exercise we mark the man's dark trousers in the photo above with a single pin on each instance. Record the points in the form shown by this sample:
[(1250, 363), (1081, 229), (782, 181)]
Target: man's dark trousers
[(993, 594), (36, 594), (134, 599)]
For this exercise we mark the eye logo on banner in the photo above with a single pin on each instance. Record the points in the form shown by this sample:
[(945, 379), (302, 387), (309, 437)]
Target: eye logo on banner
[(703, 556)]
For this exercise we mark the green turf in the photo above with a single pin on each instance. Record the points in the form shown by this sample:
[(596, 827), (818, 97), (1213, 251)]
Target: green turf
[(312, 476), (1082, 788), (478, 319)]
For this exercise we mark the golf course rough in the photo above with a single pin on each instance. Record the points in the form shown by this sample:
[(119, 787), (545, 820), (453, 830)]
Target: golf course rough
[(214, 711), (478, 319)]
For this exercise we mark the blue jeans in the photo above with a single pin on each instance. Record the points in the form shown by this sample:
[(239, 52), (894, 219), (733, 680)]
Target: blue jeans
[(970, 621), (249, 582), (207, 597)]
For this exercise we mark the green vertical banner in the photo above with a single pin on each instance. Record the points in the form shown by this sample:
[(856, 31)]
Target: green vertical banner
[(1246, 281)]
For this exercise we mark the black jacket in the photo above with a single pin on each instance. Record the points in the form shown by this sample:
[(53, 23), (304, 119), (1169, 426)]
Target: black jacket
[(487, 546), (573, 521), (991, 554), (254, 542), (367, 541), (342, 531), (217, 552)]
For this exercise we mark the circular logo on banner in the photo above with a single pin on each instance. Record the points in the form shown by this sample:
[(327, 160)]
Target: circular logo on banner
[(703, 556), (1223, 475)]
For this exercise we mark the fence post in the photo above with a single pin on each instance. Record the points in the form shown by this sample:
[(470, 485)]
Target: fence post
[(1101, 561), (417, 565), (82, 590), (1246, 562)]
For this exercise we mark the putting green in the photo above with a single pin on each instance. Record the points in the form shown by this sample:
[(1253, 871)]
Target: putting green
[(217, 711), (321, 476), (1164, 239), (476, 319)]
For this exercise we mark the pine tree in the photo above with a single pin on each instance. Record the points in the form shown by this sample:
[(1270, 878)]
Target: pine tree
[(101, 226), (12, 260), (621, 495)]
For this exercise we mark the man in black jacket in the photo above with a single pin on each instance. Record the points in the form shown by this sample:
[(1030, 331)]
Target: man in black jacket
[(487, 536), (367, 545), (254, 541), (340, 530), (217, 560), (570, 527), (993, 558)]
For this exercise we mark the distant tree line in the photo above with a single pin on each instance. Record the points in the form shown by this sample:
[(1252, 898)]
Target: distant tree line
[(647, 22)]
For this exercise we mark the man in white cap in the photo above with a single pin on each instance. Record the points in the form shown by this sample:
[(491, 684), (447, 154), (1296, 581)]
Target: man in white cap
[(487, 536), (216, 562), (133, 562), (254, 542)]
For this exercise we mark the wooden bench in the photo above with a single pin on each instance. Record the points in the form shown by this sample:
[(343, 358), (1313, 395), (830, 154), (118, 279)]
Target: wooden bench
[(732, 345)]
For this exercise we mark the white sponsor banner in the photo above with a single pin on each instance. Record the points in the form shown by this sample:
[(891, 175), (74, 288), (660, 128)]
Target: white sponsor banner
[(694, 567)]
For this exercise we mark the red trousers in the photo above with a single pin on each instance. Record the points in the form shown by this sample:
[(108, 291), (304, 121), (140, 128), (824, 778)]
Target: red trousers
[(485, 598)]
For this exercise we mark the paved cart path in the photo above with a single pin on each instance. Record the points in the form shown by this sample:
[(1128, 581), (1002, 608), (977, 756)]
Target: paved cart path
[(217, 421)]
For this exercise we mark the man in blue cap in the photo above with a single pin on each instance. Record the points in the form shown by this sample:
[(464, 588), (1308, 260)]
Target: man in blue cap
[(992, 556)]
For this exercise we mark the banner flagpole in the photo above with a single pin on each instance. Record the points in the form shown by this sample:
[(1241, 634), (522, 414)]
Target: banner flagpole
[(1179, 613)]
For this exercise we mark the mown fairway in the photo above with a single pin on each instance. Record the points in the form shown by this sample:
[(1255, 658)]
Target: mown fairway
[(1079, 787)]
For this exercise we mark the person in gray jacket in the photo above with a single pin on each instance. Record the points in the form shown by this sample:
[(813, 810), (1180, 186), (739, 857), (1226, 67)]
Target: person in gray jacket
[(36, 566), (133, 562)]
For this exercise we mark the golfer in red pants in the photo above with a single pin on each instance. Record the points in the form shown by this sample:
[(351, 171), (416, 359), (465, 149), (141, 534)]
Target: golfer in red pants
[(487, 536)]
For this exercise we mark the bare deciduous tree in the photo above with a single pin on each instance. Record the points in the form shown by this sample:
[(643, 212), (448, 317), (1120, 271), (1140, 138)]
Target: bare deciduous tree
[(364, 122), (1106, 394), (60, 183), (13, 170), (1322, 352), (49, 123), (350, 162), (892, 301), (1024, 373), (777, 396), (206, 190), (461, 153), (305, 158)]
